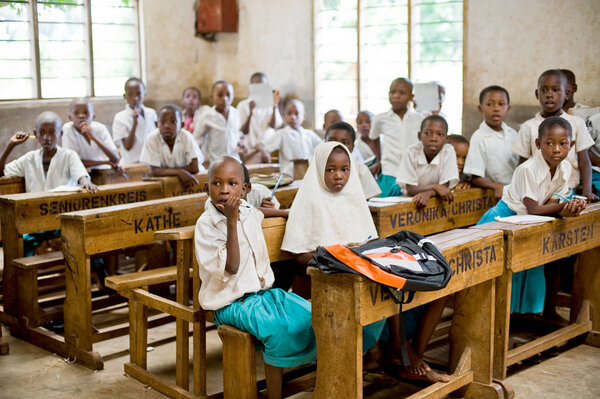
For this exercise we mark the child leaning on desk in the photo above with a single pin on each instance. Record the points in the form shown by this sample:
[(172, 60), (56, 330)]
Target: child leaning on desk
[(535, 189)]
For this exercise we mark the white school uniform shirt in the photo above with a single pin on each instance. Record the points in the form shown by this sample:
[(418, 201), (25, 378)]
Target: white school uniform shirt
[(367, 181), (292, 144), (593, 124), (122, 124), (362, 152), (65, 170), (490, 154), (156, 151), (416, 171), (258, 193), (524, 145), (399, 133), (532, 180), (216, 135), (73, 140), (219, 288), (259, 123)]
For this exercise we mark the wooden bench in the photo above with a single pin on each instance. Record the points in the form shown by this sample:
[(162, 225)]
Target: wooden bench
[(529, 246), (343, 303), (34, 212), (466, 210), (134, 172)]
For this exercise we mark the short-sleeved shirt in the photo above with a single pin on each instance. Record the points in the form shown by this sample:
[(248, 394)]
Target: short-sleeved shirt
[(259, 123), (399, 133), (122, 124), (362, 152), (258, 194), (593, 123), (524, 144), (368, 182), (216, 135), (156, 151), (292, 144), (416, 171), (490, 154), (532, 180), (65, 170), (220, 288), (73, 140)]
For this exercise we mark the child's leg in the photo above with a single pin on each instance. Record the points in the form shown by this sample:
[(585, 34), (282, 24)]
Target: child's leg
[(301, 285), (274, 377), (427, 325)]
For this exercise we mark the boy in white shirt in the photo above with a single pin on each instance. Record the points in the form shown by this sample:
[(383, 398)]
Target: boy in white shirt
[(217, 130), (172, 151), (429, 167), (293, 141), (237, 278), (258, 122), (50, 166), (550, 92), (88, 138), (132, 125), (399, 126), (491, 161), (344, 133)]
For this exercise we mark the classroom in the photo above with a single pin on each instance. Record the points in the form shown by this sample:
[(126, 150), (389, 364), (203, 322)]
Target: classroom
[(144, 143)]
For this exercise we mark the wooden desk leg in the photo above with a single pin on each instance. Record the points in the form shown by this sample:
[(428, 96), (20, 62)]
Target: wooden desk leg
[(78, 300), (339, 340), (183, 252), (473, 327), (502, 324), (586, 283), (3, 343), (12, 244), (199, 338)]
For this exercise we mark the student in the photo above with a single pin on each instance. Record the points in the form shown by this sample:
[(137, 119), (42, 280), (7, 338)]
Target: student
[(570, 91), (260, 197), (399, 126), (531, 192), (191, 99), (218, 129), (593, 123), (293, 141), (461, 148), (329, 208), (550, 92), (258, 122), (172, 151), (344, 133), (490, 161), (236, 277), (429, 167), (134, 123), (364, 147), (330, 117), (50, 166), (88, 138)]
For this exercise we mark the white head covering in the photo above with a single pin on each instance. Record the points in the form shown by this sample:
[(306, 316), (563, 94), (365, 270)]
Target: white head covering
[(321, 217)]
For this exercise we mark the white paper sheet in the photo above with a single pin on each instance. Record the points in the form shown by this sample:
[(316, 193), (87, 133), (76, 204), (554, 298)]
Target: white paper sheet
[(390, 200), (524, 219), (65, 189), (261, 94), (427, 97)]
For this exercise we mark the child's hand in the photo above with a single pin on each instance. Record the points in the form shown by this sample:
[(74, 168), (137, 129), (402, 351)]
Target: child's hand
[(19, 138), (265, 157), (231, 208), (268, 203), (444, 193), (187, 179), (242, 149), (276, 98), (421, 199), (252, 105), (375, 169), (117, 168), (590, 196), (136, 112), (86, 131), (463, 185), (87, 185), (572, 208), (498, 191), (206, 163)]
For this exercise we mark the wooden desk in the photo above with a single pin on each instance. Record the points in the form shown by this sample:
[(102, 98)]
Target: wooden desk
[(172, 186), (529, 246), (466, 210), (34, 212), (286, 194), (343, 303), (134, 172)]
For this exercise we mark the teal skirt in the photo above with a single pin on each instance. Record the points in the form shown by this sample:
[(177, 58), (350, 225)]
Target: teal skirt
[(388, 186), (528, 286)]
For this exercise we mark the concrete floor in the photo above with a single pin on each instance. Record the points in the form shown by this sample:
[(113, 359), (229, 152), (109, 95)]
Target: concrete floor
[(30, 372)]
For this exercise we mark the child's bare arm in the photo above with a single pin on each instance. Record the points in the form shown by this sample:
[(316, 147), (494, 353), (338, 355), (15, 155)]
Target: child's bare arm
[(15, 140), (272, 212), (231, 211), (585, 169), (86, 184), (422, 194), (246, 126), (187, 179), (129, 141), (483, 182), (594, 159), (276, 100), (552, 207), (112, 154), (192, 167), (377, 146)]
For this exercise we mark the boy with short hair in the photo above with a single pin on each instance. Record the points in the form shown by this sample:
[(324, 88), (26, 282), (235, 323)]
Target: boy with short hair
[(132, 125), (293, 141), (217, 131), (170, 150), (257, 122), (332, 116), (551, 88), (461, 148), (491, 161), (429, 167), (88, 138), (50, 166), (344, 133), (399, 126)]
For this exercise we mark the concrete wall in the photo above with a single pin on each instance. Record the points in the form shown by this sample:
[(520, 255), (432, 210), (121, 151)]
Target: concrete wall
[(512, 42)]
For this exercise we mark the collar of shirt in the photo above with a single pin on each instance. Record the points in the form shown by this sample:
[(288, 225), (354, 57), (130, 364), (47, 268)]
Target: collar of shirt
[(410, 113), (217, 217), (541, 169), (539, 116), (487, 131), (422, 160)]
